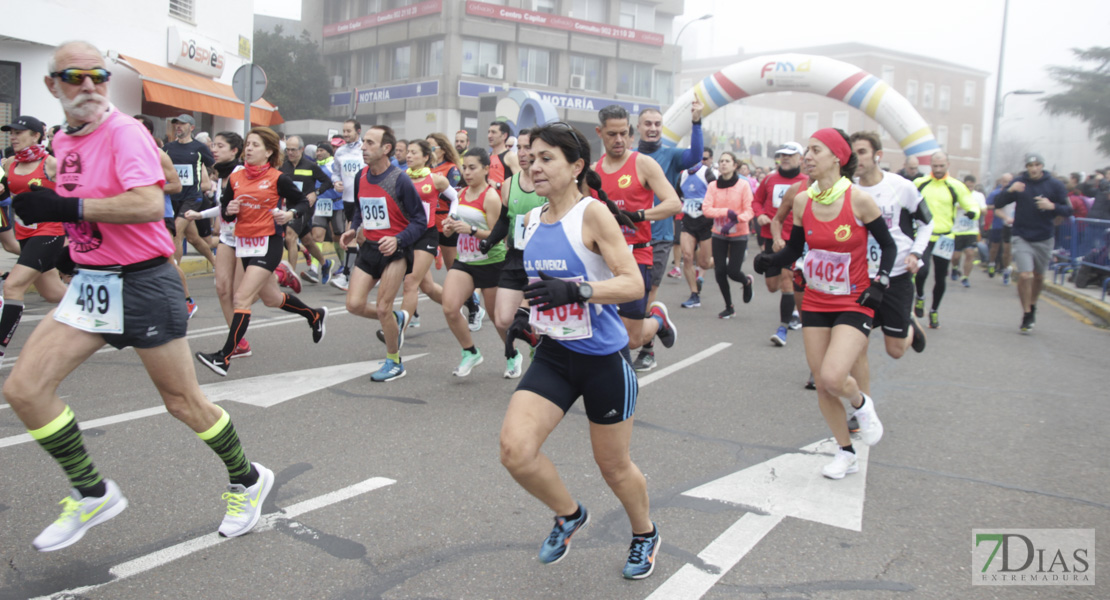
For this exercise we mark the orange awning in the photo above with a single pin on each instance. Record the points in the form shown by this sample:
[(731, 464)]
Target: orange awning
[(189, 92)]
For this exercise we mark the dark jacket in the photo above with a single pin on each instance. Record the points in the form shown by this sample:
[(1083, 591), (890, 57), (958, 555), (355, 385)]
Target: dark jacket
[(1031, 223)]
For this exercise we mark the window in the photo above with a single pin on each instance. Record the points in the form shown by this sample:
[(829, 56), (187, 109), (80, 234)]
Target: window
[(944, 98), (942, 136), (401, 60), (965, 137), (340, 67), (911, 91), (927, 96), (888, 74), (969, 93), (335, 11), (589, 68), (591, 10), (634, 79), (663, 91), (433, 58), (809, 123), (368, 66), (477, 55), (9, 95), (366, 7), (184, 10), (535, 66), (635, 15), (840, 119), (546, 6)]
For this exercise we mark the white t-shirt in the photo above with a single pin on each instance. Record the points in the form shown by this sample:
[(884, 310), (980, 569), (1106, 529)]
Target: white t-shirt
[(897, 199), (348, 161)]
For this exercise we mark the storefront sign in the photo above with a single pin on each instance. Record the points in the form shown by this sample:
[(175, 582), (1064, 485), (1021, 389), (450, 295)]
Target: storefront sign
[(194, 53), (590, 103), (420, 9), (392, 92), (539, 19)]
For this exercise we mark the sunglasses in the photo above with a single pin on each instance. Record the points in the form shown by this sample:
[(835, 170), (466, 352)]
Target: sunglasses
[(77, 76), (568, 127)]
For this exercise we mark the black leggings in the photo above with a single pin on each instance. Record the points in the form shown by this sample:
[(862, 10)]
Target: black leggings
[(941, 276), (728, 258)]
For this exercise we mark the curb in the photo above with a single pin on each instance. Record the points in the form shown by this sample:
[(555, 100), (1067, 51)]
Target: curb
[(1096, 307), (198, 266)]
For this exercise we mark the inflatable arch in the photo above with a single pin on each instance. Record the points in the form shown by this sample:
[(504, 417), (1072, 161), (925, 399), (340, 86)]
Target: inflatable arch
[(806, 73), (525, 109)]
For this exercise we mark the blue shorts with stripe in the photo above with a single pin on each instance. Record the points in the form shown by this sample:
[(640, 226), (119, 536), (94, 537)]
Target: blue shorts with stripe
[(606, 383)]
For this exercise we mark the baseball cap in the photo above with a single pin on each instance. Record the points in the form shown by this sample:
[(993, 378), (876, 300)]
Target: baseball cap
[(24, 122), (1034, 157), (184, 119), (790, 148), (337, 141)]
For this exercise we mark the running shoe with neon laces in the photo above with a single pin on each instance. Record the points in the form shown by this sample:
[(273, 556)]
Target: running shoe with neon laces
[(934, 320), (468, 362), (668, 333), (693, 302), (319, 328), (919, 307), (191, 307), (325, 272), (990, 271), (674, 273), (513, 368), (918, 343), (311, 275), (727, 313), (870, 427), (244, 504), (555, 547), (645, 361), (389, 371), (842, 464), (474, 321), (339, 280), (402, 316), (78, 516), (641, 555), (779, 337), (242, 350), (215, 361), (749, 289)]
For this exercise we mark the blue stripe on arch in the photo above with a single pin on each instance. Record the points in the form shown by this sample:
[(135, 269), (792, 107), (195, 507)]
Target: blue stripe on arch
[(711, 88), (927, 145), (861, 91)]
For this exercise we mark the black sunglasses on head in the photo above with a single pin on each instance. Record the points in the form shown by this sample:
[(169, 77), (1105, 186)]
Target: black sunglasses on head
[(77, 76)]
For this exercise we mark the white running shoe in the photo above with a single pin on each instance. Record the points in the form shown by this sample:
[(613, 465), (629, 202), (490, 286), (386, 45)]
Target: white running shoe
[(513, 367), (78, 515), (339, 281), (468, 362), (244, 504), (870, 427), (843, 463), (475, 323)]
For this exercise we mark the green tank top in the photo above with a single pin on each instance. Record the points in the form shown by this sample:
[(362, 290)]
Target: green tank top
[(520, 204)]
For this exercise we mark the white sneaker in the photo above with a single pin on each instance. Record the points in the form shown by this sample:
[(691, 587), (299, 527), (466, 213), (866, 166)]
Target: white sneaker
[(244, 505), (78, 515), (339, 281), (870, 427), (843, 463), (475, 323), (513, 368), (468, 362)]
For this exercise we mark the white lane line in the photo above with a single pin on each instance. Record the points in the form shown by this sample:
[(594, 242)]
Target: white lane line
[(165, 556), (682, 364), (691, 583)]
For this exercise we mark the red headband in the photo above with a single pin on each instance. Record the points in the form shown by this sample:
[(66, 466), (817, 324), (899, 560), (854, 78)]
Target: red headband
[(832, 138)]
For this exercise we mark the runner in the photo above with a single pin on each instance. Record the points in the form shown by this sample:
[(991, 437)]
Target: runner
[(391, 219), (966, 232), (447, 165), (256, 193), (632, 180), (311, 180), (728, 204), (578, 242), (503, 161), (838, 308), (1002, 231), (766, 201), (191, 158), (478, 210), (349, 159), (41, 244), (462, 141), (112, 208), (695, 229), (328, 219)]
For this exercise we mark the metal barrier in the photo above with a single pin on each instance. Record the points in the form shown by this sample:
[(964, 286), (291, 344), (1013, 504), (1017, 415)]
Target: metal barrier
[(1081, 245)]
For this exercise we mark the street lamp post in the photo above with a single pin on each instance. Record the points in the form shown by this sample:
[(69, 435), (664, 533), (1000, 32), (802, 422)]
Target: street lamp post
[(678, 50)]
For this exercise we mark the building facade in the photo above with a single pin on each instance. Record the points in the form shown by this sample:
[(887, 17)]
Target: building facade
[(948, 96), (420, 66)]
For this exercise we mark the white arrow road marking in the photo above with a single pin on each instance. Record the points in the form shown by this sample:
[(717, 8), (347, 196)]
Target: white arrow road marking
[(165, 556), (262, 391), (790, 485)]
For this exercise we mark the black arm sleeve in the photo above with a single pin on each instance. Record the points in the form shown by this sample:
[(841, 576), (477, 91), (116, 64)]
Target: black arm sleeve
[(923, 214), (357, 221), (793, 250), (226, 196), (881, 233), (500, 228), (294, 199), (7, 192)]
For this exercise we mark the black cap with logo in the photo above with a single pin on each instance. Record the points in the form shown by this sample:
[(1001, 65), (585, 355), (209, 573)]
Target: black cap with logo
[(25, 122)]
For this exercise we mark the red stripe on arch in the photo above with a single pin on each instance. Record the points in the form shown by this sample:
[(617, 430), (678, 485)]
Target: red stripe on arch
[(840, 92), (729, 87)]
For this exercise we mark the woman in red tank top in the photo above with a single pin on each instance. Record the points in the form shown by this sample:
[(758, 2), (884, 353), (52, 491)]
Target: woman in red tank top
[(40, 244), (840, 299)]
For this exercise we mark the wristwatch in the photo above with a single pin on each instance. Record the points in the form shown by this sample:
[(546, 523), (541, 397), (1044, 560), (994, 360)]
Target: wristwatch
[(883, 279), (585, 292), (473, 230)]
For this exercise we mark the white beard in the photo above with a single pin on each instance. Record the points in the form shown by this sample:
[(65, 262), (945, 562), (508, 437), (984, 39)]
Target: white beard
[(85, 107)]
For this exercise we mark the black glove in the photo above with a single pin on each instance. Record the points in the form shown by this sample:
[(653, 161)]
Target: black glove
[(520, 329), (484, 246), (44, 205), (550, 292), (761, 263), (872, 297), (971, 215), (635, 216)]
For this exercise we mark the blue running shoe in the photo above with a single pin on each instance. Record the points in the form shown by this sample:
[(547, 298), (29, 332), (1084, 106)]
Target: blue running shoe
[(779, 337), (389, 371), (555, 547), (325, 273), (641, 556)]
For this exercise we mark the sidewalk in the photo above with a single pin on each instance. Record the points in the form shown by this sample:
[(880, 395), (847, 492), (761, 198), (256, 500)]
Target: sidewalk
[(1089, 298)]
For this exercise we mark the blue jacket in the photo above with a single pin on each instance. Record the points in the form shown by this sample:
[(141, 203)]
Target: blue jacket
[(675, 160), (1031, 223)]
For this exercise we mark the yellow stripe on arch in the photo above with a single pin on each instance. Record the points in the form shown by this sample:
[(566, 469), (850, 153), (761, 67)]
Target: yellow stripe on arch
[(876, 97), (699, 91), (913, 137), (670, 135)]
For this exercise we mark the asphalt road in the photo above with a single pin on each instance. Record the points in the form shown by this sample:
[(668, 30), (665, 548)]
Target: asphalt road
[(395, 490)]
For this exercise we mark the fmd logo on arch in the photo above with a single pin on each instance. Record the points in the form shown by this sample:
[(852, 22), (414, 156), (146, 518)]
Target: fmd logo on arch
[(1033, 556)]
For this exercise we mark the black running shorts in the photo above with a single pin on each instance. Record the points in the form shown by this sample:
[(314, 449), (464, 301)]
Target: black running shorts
[(607, 384)]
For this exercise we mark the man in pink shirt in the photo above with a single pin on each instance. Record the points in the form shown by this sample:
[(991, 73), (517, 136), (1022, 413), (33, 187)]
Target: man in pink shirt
[(125, 293)]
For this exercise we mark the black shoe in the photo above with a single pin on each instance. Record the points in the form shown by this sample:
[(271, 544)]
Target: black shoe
[(318, 326), (215, 361), (727, 313), (1027, 323), (811, 384), (748, 289), (918, 343)]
